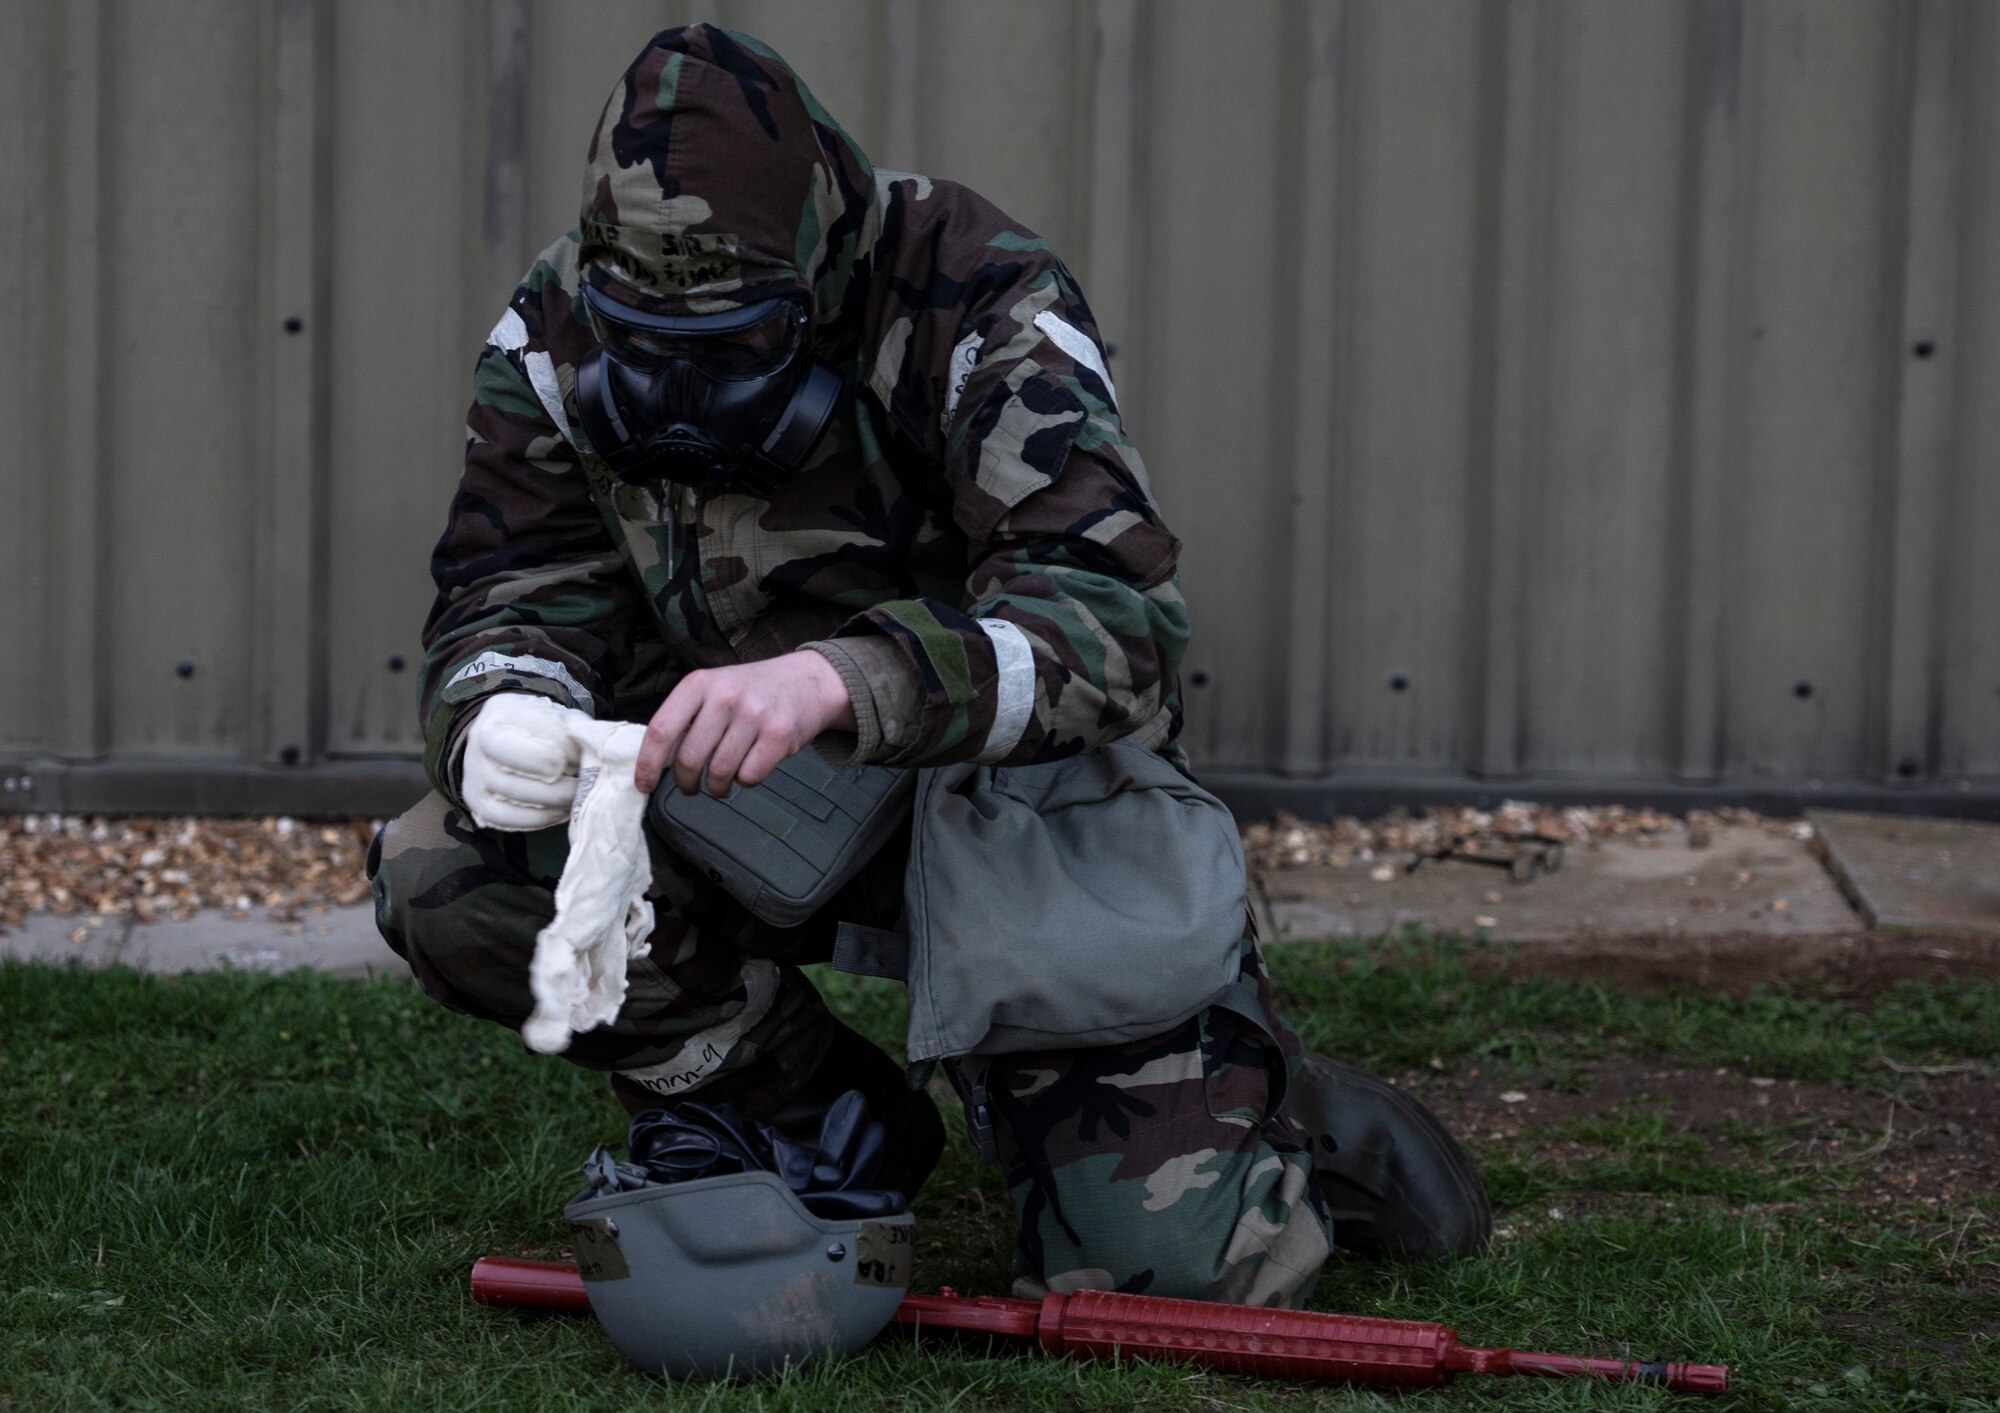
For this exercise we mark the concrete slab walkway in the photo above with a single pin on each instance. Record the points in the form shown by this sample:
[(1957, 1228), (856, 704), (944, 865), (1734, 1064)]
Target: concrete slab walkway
[(339, 941), (1924, 874), (1747, 879), (1746, 883)]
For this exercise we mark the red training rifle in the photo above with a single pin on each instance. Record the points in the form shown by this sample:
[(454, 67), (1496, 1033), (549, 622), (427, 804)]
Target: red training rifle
[(1238, 1339)]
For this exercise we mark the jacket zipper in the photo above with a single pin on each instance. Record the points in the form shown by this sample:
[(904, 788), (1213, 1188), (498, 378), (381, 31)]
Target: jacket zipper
[(688, 513)]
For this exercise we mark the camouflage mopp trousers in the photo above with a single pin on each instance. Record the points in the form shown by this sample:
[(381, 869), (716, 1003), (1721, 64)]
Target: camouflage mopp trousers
[(1160, 1166)]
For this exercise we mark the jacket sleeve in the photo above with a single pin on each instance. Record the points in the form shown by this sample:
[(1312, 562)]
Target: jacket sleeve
[(1072, 626), (533, 595)]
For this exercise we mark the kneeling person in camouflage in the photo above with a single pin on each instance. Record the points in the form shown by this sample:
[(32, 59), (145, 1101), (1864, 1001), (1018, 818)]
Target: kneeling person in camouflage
[(778, 451)]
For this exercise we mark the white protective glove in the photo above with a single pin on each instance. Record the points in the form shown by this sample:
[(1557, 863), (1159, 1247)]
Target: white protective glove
[(520, 762), (531, 764), (603, 919)]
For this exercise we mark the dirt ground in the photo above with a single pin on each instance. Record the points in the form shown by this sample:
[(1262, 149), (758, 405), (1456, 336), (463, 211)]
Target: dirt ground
[(1929, 1136), (1934, 1139), (1854, 964)]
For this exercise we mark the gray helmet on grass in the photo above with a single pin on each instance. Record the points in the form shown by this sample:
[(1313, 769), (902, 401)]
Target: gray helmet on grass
[(732, 1275)]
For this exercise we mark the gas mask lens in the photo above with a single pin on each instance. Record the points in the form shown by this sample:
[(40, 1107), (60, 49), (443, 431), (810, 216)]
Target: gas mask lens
[(704, 399), (752, 342)]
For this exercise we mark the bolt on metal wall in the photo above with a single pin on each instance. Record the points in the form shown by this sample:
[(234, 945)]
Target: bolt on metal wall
[(1594, 389)]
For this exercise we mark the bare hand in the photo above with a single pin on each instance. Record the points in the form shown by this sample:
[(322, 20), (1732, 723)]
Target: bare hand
[(738, 722)]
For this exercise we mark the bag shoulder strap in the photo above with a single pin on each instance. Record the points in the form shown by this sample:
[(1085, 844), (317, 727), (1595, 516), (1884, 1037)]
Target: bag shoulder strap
[(871, 951)]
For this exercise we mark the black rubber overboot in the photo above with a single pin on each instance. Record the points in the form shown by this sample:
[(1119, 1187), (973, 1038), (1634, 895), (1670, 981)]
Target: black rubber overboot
[(915, 1132), (1395, 1183)]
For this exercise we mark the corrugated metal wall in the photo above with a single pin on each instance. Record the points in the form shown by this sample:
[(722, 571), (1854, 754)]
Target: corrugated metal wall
[(1590, 389)]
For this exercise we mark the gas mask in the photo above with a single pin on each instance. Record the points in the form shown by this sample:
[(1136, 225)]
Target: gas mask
[(706, 399)]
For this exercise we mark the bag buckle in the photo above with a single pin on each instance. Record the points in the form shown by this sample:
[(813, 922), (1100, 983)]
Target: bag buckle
[(968, 1077)]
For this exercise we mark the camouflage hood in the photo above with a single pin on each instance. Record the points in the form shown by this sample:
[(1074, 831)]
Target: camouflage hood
[(715, 179), (972, 544)]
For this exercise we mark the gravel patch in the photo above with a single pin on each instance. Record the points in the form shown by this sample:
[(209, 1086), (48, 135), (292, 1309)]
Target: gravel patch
[(1289, 842), (153, 868), (172, 867)]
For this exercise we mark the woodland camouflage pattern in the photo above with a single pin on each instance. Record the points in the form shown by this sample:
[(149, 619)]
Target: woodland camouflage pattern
[(1164, 1166), (980, 472), (1160, 1166)]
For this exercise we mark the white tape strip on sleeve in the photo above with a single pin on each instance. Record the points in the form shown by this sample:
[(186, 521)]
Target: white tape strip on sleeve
[(510, 335), (1076, 343), (1015, 687), (542, 373), (528, 666)]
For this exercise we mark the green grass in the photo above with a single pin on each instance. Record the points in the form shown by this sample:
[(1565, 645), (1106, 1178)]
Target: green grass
[(240, 1191), (1398, 1006)]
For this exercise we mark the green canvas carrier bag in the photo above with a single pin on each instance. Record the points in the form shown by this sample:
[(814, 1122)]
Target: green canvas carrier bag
[(1076, 904), (1081, 903)]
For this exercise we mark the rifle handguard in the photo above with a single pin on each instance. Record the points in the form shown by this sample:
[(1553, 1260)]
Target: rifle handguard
[(1239, 1339)]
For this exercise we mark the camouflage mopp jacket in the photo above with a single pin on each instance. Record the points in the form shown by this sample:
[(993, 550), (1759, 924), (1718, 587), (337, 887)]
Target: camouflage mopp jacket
[(973, 545)]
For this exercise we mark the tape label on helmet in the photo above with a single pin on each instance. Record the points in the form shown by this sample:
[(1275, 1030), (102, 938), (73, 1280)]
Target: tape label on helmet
[(598, 1255), (881, 1254)]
